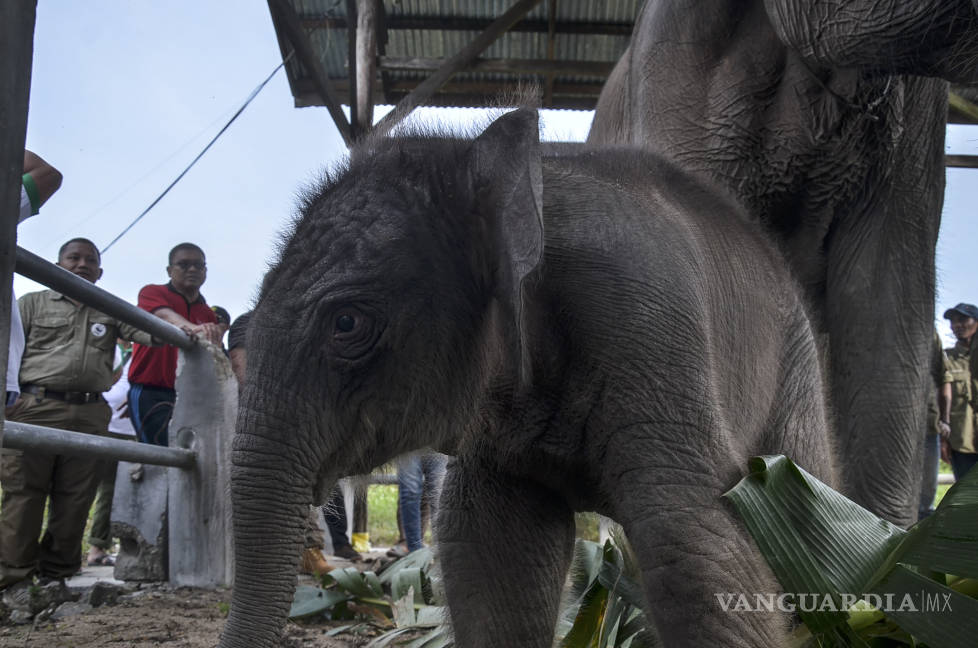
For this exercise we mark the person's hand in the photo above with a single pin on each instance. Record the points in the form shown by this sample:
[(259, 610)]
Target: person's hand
[(9, 410), (944, 429), (210, 332), (945, 450)]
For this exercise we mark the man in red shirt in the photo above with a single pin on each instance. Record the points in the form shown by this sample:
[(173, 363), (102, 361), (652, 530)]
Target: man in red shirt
[(152, 374)]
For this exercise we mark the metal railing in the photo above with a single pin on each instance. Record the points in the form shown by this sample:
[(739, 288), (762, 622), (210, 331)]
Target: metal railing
[(57, 278), (22, 436)]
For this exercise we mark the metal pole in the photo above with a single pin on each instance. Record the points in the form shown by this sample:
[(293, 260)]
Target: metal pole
[(16, 53), (961, 161), (24, 436), (57, 278)]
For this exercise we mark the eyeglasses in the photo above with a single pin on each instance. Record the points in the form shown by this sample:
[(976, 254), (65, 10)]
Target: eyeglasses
[(187, 265)]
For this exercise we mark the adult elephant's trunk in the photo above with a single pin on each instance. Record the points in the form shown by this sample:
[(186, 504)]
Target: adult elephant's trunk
[(271, 491)]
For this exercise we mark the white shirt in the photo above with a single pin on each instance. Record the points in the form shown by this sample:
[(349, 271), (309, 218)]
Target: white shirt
[(15, 350), (25, 205), (116, 396)]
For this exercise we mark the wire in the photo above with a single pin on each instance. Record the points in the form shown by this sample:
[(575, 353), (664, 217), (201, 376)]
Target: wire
[(240, 110), (56, 240)]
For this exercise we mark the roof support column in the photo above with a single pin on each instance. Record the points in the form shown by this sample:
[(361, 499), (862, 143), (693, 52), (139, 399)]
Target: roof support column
[(548, 88), (351, 57), (366, 63), (283, 11)]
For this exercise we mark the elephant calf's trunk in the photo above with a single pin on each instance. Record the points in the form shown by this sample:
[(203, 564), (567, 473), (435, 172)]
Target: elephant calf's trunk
[(268, 531)]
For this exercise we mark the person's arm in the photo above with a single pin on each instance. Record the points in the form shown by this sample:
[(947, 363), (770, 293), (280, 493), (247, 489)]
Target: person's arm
[(153, 299), (942, 378), (237, 336), (209, 330), (26, 306), (239, 360), (944, 409), (169, 315), (40, 180), (133, 334)]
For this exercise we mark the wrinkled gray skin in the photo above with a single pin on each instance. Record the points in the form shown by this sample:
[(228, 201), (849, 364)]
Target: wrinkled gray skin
[(598, 333), (809, 112)]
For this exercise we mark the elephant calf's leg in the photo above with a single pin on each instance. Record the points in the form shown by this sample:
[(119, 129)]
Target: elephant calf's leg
[(696, 563), (505, 545)]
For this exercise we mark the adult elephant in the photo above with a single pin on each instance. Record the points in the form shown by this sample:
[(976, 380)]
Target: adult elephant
[(826, 119)]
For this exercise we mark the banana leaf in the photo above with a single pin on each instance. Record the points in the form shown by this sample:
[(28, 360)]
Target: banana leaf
[(407, 579), (818, 542), (604, 602), (310, 601), (420, 559), (361, 585), (403, 609)]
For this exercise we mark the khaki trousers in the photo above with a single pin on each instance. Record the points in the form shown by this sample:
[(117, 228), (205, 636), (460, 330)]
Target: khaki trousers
[(67, 483), (100, 534)]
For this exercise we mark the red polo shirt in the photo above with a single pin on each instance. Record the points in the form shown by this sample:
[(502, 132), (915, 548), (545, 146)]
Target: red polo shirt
[(157, 366)]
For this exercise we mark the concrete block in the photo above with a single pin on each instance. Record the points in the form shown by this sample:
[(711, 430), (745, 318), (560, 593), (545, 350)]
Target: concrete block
[(139, 520)]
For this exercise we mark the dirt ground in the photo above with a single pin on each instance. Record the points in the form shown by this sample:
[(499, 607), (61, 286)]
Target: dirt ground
[(153, 615), (177, 618)]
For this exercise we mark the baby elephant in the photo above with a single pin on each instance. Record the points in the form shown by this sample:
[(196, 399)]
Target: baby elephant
[(581, 337)]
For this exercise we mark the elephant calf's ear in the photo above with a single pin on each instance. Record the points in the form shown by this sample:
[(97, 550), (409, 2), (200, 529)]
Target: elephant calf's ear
[(509, 183)]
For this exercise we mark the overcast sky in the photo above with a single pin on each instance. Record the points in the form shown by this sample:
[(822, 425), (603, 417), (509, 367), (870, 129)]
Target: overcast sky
[(125, 93)]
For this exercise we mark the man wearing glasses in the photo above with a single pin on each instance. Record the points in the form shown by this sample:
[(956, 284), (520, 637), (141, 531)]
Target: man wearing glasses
[(152, 374)]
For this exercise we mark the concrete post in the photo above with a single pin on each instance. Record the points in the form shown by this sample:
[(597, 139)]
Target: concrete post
[(139, 521), (199, 503)]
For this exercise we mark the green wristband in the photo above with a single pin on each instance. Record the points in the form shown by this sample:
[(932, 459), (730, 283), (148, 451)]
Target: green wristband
[(32, 193)]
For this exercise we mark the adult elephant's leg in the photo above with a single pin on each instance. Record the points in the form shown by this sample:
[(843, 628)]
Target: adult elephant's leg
[(879, 310), (505, 545)]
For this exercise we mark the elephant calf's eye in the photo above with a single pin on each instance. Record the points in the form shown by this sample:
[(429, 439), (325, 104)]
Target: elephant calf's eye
[(354, 331), (345, 323)]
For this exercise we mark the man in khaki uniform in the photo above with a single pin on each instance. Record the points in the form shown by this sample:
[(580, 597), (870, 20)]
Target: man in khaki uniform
[(937, 425), (960, 447), (66, 366)]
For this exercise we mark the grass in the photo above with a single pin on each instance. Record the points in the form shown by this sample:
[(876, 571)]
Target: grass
[(382, 517), (382, 514)]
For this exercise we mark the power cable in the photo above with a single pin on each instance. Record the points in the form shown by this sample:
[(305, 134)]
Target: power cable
[(56, 240), (240, 110)]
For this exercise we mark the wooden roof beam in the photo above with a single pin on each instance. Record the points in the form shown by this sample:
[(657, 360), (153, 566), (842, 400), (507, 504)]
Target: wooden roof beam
[(452, 23), (306, 95), (966, 108), (961, 161), (505, 66), (427, 88), (289, 22)]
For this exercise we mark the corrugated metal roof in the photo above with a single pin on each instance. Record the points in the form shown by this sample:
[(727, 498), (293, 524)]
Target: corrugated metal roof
[(417, 35)]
